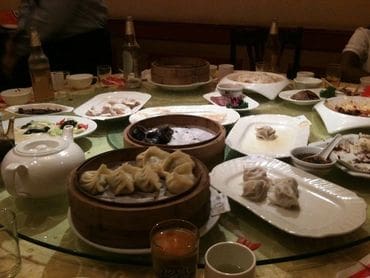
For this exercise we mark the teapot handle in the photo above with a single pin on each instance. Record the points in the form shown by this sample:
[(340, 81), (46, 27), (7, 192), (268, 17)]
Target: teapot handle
[(10, 171)]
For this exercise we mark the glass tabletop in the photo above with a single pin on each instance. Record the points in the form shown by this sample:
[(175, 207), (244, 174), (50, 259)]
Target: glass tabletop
[(45, 221)]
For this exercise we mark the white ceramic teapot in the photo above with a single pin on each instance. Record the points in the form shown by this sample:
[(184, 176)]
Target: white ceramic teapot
[(39, 168)]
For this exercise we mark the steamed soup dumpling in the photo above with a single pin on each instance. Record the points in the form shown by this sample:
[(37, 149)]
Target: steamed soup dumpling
[(153, 156), (147, 180), (121, 182), (176, 159), (284, 193), (256, 189), (95, 181), (181, 179)]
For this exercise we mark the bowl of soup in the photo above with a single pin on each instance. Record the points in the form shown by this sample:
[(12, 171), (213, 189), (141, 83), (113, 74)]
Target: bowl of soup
[(197, 136)]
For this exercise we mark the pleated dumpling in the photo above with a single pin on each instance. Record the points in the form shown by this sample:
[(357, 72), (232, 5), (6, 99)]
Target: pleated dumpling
[(121, 182), (95, 181), (177, 183), (254, 173), (256, 190), (147, 179), (153, 156), (284, 193), (176, 159)]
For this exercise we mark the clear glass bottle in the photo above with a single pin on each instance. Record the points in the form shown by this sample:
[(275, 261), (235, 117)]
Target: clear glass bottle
[(272, 49), (6, 140), (130, 56), (39, 68)]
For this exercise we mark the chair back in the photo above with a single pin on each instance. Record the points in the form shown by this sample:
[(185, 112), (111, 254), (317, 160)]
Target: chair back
[(254, 40)]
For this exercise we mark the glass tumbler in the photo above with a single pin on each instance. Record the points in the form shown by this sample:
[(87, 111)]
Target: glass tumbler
[(103, 71), (174, 248), (10, 259), (334, 74)]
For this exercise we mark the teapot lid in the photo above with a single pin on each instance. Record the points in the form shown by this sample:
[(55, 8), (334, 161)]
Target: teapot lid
[(40, 146)]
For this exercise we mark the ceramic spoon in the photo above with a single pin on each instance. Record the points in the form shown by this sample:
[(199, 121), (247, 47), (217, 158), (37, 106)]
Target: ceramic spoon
[(325, 152)]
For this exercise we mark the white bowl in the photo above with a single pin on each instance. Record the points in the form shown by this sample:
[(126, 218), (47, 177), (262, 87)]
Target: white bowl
[(307, 82), (16, 96), (230, 89), (316, 168), (80, 81)]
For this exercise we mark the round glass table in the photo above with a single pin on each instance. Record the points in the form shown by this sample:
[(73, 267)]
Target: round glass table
[(45, 221)]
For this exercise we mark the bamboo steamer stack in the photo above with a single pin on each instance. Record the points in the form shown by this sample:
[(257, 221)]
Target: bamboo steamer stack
[(180, 70)]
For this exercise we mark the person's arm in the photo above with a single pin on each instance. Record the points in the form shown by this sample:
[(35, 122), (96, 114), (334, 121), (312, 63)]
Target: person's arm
[(352, 67)]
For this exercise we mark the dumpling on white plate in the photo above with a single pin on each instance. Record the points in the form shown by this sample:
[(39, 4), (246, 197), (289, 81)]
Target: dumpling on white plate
[(254, 173), (256, 189), (284, 193)]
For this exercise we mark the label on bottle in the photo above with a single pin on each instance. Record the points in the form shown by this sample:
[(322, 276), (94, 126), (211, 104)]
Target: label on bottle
[(41, 85)]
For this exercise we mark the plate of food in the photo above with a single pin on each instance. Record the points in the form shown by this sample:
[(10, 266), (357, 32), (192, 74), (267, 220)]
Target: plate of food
[(344, 112), (114, 105), (50, 125), (222, 115), (302, 97), (288, 198), (245, 103), (352, 154), (33, 109), (267, 84), (269, 134)]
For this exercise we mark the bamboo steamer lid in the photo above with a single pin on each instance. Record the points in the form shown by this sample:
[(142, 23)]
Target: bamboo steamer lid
[(180, 70)]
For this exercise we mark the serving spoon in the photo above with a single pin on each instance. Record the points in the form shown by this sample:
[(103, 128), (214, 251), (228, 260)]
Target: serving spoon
[(325, 152)]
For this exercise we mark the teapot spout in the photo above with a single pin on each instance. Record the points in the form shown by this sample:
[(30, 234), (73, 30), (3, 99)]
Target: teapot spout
[(68, 133)]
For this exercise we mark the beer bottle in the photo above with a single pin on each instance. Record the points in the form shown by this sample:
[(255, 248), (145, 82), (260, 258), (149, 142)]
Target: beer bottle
[(272, 49), (130, 56), (39, 68)]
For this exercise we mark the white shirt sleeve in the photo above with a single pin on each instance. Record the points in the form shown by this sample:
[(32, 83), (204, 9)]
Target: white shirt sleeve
[(359, 43)]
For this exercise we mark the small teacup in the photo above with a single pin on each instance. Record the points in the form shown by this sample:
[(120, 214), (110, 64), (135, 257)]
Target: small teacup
[(80, 81), (305, 74), (229, 259), (230, 89), (307, 82)]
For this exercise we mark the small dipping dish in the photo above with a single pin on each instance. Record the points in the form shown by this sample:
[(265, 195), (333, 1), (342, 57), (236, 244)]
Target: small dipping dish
[(315, 166), (230, 89)]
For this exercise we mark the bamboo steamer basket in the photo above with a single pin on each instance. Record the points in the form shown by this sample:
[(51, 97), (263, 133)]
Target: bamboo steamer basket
[(210, 152), (120, 225), (180, 70)]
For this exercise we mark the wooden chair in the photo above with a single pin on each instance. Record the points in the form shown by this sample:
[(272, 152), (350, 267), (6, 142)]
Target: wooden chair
[(254, 39)]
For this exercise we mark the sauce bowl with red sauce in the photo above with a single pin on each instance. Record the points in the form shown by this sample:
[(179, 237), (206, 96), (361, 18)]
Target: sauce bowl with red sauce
[(174, 247)]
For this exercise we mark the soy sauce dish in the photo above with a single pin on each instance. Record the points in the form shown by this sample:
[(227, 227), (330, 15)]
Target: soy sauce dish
[(313, 165)]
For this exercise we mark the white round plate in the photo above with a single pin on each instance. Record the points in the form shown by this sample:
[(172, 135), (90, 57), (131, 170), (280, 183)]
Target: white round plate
[(291, 132), (252, 104), (212, 220), (222, 115), (50, 118), (63, 109), (178, 87), (287, 96)]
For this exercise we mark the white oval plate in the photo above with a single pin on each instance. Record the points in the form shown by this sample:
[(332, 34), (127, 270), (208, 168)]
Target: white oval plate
[(178, 87), (287, 95), (51, 118), (212, 220), (291, 132), (63, 109), (252, 104), (222, 115), (335, 121), (268, 90), (102, 99), (326, 209)]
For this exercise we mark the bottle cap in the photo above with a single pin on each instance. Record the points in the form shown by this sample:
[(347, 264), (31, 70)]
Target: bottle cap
[(129, 26), (274, 28)]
